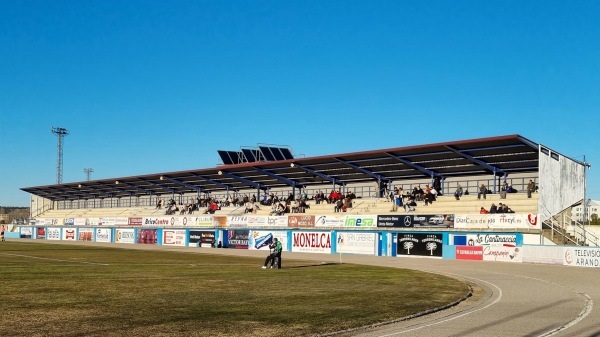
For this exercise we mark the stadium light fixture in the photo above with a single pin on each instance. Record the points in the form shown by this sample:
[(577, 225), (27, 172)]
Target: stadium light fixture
[(292, 164), (220, 173), (162, 178), (117, 182)]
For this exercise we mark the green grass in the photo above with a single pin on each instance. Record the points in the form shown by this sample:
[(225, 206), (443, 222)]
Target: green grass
[(93, 291)]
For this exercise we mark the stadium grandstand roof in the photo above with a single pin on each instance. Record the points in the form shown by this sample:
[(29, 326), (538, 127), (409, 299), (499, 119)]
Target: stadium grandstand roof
[(498, 156)]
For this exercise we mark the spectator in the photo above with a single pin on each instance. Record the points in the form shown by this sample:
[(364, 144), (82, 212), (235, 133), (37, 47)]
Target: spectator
[(338, 206), (437, 184), (458, 193), (410, 205), (483, 211), (530, 188), (159, 204), (212, 208), (482, 191), (493, 209), (503, 190), (350, 195)]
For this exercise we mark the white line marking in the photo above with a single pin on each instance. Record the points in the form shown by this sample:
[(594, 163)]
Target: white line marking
[(59, 260), (455, 317)]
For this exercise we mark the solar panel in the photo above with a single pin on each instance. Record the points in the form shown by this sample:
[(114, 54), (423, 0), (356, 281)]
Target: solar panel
[(230, 157), (276, 153), (267, 153), (287, 154), (250, 155)]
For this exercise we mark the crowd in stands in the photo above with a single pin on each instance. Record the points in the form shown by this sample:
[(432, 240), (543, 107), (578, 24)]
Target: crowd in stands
[(501, 208), (210, 206)]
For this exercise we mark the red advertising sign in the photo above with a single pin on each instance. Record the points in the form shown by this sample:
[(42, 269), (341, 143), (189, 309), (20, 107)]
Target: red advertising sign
[(301, 221), (135, 221), (469, 252)]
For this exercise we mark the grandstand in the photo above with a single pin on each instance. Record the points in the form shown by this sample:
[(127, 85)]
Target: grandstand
[(370, 175)]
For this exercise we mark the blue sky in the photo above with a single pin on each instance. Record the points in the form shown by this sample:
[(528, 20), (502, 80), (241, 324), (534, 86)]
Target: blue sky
[(157, 86)]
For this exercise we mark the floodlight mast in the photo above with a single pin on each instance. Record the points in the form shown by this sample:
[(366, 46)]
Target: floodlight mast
[(88, 172), (60, 135)]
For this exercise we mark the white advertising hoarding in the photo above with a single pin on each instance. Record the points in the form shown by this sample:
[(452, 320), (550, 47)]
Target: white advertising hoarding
[(311, 242), (262, 239), (173, 237), (582, 257), (357, 243), (69, 234), (53, 233), (504, 220), (502, 253), (103, 235), (237, 221), (124, 235), (329, 221)]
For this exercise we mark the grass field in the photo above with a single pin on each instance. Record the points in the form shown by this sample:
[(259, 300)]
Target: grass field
[(67, 290)]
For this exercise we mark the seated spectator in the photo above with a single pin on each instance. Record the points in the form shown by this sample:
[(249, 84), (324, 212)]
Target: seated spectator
[(159, 204), (482, 191), (493, 209), (500, 208), (184, 210), (296, 206), (350, 195), (212, 208), (249, 207), (410, 205), (280, 209), (458, 193), (303, 206), (483, 211), (347, 203), (338, 206)]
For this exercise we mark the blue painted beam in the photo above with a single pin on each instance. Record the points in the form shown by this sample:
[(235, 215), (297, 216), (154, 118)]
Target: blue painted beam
[(195, 188), (278, 177), (161, 186), (475, 160), (324, 176), (244, 180), (137, 187), (363, 170), (416, 166), (227, 187)]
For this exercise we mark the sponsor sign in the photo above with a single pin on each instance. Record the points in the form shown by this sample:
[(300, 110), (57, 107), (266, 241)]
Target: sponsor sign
[(202, 221), (69, 234), (469, 253), (25, 232), (156, 221), (237, 221), (135, 221), (40, 233), (69, 221), (124, 235), (49, 222), (93, 222), (114, 221), (103, 235), (147, 236), (582, 257), (422, 221), (508, 240), (201, 238), (329, 221), (53, 233), (79, 221), (277, 221), (173, 237), (238, 238), (311, 242), (357, 243), (419, 244), (220, 221), (86, 234), (262, 239), (302, 221), (502, 253), (505, 220), (360, 221), (257, 221)]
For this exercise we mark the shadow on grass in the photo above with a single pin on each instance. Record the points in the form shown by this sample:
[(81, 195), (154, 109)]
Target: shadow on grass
[(313, 265)]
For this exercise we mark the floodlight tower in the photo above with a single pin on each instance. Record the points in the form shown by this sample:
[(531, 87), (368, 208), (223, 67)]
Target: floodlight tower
[(88, 172), (60, 134)]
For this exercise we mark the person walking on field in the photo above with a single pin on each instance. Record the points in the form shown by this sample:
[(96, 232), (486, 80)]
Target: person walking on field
[(2, 232), (278, 248)]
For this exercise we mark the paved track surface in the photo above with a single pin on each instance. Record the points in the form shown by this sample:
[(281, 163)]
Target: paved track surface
[(515, 299)]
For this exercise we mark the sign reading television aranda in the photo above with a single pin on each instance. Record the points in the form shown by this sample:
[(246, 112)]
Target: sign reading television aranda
[(582, 257), (311, 242), (356, 243)]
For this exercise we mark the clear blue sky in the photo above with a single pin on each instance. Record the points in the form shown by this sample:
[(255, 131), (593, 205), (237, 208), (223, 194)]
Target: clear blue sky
[(157, 86)]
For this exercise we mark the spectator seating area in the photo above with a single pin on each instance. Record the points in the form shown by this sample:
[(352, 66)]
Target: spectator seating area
[(468, 204)]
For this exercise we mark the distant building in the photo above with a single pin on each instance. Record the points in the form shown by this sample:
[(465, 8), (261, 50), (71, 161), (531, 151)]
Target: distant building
[(4, 217), (593, 208)]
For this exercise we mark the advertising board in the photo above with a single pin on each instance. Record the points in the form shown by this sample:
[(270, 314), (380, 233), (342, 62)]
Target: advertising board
[(582, 257), (238, 238), (416, 221), (103, 235), (173, 237), (69, 234), (53, 233), (419, 244), (357, 243), (86, 234), (311, 242), (262, 239), (124, 235), (201, 238), (301, 221), (329, 221), (360, 221)]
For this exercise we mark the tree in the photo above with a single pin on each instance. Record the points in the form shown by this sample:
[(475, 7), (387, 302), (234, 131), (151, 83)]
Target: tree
[(594, 220)]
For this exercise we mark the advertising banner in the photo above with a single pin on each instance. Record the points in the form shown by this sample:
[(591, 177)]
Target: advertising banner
[(25, 232), (220, 221), (301, 221), (238, 238), (505, 220), (420, 221), (483, 239), (357, 243), (69, 221), (582, 257), (147, 236), (86, 234), (237, 221), (93, 222), (69, 234), (135, 221), (79, 221), (277, 221), (311, 242), (502, 253), (201, 238), (53, 233), (156, 221), (49, 222), (469, 253), (360, 221), (262, 239), (103, 235), (114, 221), (173, 237), (419, 244), (40, 233), (257, 221), (124, 235), (202, 221), (329, 221)]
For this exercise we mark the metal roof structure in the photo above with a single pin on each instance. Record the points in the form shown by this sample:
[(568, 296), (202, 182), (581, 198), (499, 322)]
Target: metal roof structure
[(497, 156)]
